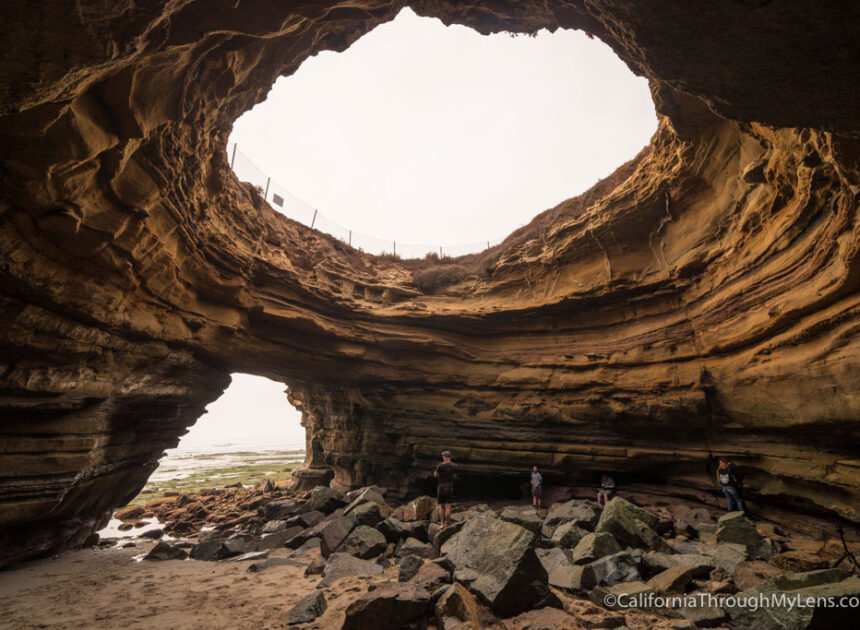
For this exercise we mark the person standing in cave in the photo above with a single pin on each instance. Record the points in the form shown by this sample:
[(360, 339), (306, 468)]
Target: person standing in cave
[(537, 487), (731, 480), (445, 473)]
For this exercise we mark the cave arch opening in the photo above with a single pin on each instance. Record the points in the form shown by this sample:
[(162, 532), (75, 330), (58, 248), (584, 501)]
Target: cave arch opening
[(421, 135), (249, 434)]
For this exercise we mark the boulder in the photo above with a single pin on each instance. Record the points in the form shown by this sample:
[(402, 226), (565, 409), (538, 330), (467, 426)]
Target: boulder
[(278, 538), (672, 580), (444, 535), (306, 519), (594, 546), (417, 509), (527, 518), (307, 609), (278, 510), (496, 560), (619, 567), (370, 513), (250, 540), (364, 542), (409, 566), (394, 529), (810, 588), (130, 513), (274, 526), (584, 514), (389, 605), (654, 562), (324, 499), (153, 534), (631, 526), (414, 547), (729, 555), (341, 565), (352, 495), (164, 551), (457, 609), (368, 495), (694, 547), (445, 563), (431, 576), (568, 535), (751, 573), (305, 535), (316, 566), (432, 530), (218, 549), (335, 533), (734, 527), (562, 572), (308, 547)]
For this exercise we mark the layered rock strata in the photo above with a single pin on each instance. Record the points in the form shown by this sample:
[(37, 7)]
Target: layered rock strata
[(703, 299)]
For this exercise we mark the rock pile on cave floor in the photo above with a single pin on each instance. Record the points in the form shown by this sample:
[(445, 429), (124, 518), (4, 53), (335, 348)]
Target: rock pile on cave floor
[(575, 565)]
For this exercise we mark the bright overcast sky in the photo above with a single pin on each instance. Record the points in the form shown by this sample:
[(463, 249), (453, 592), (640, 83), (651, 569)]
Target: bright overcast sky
[(253, 410), (429, 134)]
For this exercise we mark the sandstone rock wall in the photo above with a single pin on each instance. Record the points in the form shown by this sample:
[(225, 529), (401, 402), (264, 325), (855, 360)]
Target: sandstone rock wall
[(702, 299)]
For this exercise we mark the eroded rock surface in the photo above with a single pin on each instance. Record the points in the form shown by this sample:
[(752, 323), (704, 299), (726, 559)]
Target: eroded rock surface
[(702, 299)]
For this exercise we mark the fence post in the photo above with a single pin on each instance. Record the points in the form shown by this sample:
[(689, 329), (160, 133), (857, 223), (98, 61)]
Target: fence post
[(266, 194), (488, 244), (350, 238), (314, 220), (233, 158), (395, 247), (440, 251)]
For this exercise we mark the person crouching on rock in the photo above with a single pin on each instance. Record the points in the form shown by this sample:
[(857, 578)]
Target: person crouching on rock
[(731, 480), (445, 473), (537, 487), (607, 489)]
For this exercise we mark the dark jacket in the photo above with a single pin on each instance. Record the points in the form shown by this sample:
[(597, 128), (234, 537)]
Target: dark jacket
[(730, 476)]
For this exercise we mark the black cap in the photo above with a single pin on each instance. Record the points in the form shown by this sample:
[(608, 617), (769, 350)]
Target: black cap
[(446, 454)]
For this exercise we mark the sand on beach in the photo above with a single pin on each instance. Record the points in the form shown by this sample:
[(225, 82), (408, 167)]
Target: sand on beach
[(106, 588)]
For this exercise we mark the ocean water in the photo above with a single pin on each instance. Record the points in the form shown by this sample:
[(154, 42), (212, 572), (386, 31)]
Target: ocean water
[(216, 460)]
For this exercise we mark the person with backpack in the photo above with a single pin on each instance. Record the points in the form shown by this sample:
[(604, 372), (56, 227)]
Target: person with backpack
[(445, 473), (731, 481)]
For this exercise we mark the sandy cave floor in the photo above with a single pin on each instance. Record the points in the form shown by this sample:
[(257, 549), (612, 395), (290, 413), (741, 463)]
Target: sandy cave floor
[(106, 588)]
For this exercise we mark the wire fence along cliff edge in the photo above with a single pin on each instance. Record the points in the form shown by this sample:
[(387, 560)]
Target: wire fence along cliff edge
[(281, 200)]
